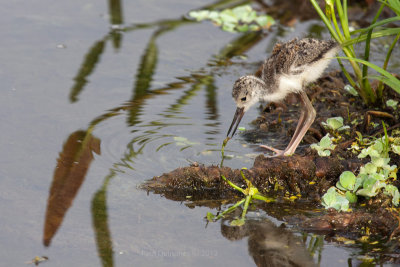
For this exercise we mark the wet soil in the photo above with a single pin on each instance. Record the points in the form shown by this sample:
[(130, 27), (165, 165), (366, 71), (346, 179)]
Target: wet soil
[(303, 177)]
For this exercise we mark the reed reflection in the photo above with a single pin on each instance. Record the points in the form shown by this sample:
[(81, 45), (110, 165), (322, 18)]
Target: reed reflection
[(77, 152), (69, 174)]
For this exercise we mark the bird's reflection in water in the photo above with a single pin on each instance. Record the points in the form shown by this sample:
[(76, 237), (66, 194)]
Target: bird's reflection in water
[(268, 244)]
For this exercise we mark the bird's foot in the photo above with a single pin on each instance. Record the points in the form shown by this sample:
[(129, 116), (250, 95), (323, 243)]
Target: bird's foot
[(278, 152)]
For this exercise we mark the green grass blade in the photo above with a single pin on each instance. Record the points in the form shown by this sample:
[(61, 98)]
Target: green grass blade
[(378, 34), (367, 48), (230, 209), (246, 206), (263, 198), (347, 74), (343, 18), (334, 21), (394, 5), (394, 84), (386, 77), (232, 184), (325, 20), (385, 64), (375, 25)]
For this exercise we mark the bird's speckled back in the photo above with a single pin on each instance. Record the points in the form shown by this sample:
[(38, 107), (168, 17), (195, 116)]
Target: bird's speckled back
[(292, 57)]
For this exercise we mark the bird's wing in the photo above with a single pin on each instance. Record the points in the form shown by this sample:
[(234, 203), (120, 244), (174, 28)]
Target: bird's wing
[(294, 56)]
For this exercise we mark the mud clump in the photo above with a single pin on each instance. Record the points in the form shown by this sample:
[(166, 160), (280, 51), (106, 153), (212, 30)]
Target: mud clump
[(280, 176)]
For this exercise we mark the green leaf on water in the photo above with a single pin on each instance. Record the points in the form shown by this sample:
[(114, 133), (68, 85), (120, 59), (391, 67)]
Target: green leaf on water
[(332, 199), (199, 14), (393, 191), (347, 180), (213, 15), (210, 217), (180, 144), (180, 139), (241, 18), (378, 145), (372, 151), (369, 182), (263, 21), (339, 186), (368, 168), (396, 149), (227, 16), (379, 161), (254, 28), (371, 187), (229, 27), (249, 17), (351, 197), (243, 28), (358, 183), (324, 153), (325, 141), (241, 11), (329, 198)]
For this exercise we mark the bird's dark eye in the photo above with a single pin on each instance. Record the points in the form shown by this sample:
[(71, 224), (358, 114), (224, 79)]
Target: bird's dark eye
[(243, 99)]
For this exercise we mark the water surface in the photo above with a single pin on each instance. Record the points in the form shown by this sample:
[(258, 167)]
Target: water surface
[(97, 98)]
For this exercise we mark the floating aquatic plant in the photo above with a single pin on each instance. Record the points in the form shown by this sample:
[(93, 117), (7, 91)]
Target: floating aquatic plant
[(238, 19), (332, 199), (374, 177), (324, 146)]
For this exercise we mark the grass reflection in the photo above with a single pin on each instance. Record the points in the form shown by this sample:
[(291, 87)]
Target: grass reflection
[(100, 224), (144, 132)]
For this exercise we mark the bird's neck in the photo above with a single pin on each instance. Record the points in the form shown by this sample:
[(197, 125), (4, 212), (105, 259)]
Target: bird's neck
[(261, 90)]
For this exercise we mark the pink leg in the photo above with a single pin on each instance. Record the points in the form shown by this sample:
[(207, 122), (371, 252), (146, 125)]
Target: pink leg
[(307, 117)]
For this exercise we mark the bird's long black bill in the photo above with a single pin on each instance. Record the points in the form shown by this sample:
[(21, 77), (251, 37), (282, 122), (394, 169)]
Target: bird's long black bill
[(237, 118)]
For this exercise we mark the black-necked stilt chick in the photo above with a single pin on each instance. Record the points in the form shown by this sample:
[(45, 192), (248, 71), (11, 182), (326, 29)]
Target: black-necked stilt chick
[(289, 69)]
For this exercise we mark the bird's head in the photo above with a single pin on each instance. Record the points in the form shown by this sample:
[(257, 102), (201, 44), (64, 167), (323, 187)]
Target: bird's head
[(245, 92)]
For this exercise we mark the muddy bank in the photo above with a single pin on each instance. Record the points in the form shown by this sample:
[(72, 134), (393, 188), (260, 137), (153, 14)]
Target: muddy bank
[(305, 175)]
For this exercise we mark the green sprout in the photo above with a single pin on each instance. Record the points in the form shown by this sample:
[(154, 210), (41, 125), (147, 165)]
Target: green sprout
[(392, 103), (239, 19), (324, 146), (335, 124), (350, 89), (251, 192)]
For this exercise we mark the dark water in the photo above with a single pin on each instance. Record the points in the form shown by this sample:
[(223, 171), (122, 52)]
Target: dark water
[(89, 113)]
